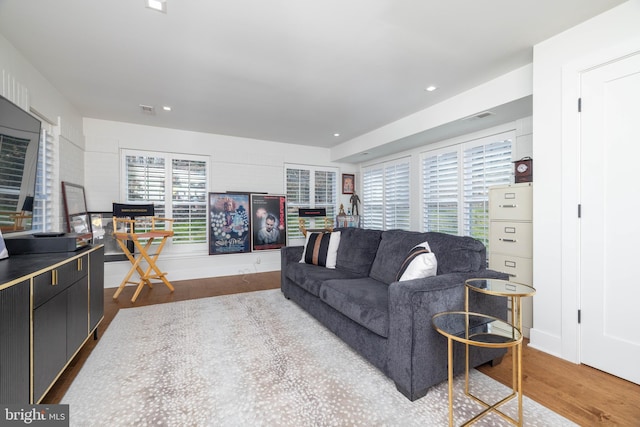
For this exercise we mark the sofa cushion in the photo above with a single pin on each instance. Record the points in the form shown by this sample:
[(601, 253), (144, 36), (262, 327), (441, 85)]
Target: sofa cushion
[(363, 300), (310, 277), (420, 263), (321, 249), (357, 250), (457, 254), (392, 251)]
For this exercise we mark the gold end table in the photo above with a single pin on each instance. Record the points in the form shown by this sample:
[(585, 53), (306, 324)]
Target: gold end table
[(480, 330)]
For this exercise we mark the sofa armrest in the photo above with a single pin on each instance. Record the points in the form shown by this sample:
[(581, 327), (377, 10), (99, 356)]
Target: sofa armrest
[(288, 255), (417, 356)]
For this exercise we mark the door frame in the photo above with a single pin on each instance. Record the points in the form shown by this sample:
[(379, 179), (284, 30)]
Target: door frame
[(570, 188)]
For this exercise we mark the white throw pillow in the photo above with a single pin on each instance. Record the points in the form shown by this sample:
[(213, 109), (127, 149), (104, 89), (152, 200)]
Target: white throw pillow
[(420, 263), (321, 249)]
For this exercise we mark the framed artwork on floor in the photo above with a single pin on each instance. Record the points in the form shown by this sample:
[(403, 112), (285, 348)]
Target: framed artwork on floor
[(229, 223), (269, 221)]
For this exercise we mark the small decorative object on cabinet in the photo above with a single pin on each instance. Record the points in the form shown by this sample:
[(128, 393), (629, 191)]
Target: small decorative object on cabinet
[(511, 238), (348, 221)]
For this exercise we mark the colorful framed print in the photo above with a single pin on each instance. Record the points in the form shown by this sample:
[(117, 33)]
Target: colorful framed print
[(229, 223), (269, 221), (348, 183)]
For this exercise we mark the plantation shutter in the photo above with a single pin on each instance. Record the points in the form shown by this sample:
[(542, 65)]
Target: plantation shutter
[(373, 197), (176, 184), (440, 192), (43, 203), (484, 165), (189, 196), (309, 187), (396, 196)]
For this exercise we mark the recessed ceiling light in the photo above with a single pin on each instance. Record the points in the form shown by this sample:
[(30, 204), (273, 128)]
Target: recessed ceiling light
[(336, 134), (430, 88), (159, 5), (166, 108)]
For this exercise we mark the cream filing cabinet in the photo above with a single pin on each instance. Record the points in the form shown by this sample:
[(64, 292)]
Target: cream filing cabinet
[(511, 238)]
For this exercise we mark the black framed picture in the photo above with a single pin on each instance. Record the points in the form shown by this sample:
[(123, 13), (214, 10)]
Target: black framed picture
[(75, 207), (102, 227), (229, 223), (269, 221)]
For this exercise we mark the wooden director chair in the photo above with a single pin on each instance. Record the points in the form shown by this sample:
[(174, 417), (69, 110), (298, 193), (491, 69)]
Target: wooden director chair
[(125, 222)]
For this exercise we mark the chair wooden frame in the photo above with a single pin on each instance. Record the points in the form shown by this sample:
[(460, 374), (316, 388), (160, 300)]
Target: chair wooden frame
[(142, 243)]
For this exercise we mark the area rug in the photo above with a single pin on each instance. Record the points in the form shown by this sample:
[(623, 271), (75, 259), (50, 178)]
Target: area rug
[(253, 359)]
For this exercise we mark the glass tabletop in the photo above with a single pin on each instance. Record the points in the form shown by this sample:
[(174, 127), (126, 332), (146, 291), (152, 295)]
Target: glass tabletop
[(500, 287), (477, 329)]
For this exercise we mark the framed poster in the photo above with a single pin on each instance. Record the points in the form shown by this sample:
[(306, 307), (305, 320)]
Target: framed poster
[(229, 223), (102, 227), (75, 207), (268, 221), (348, 183)]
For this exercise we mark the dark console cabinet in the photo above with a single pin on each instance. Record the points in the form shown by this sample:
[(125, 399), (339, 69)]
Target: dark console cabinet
[(62, 306)]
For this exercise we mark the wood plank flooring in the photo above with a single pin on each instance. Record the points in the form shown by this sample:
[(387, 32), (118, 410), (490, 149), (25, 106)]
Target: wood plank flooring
[(582, 394)]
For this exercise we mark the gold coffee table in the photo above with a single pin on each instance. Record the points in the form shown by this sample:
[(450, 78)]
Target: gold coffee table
[(480, 330)]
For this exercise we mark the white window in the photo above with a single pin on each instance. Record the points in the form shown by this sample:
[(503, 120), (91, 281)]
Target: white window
[(309, 187), (456, 181), (177, 186), (386, 195)]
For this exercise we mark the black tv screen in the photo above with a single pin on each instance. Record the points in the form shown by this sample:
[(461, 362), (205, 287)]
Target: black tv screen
[(19, 143)]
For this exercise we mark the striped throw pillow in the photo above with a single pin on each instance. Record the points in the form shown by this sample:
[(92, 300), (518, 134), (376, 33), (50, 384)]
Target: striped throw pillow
[(321, 249), (420, 262)]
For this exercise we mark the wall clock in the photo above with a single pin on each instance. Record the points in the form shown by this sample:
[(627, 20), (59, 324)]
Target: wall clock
[(524, 170)]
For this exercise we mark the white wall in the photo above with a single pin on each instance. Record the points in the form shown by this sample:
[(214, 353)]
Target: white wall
[(237, 164), (557, 64)]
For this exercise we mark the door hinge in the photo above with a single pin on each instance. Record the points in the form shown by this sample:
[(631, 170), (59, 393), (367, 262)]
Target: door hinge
[(579, 316), (579, 105), (579, 211)]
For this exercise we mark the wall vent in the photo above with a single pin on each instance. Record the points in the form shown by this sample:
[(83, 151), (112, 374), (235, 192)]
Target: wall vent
[(481, 115)]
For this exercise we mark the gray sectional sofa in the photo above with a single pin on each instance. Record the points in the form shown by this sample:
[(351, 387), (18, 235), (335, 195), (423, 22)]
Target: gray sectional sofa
[(386, 321)]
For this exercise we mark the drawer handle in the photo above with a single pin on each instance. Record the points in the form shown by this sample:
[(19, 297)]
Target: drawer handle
[(508, 206), (54, 277), (79, 264), (509, 240)]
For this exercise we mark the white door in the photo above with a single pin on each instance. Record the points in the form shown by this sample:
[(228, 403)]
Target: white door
[(610, 221)]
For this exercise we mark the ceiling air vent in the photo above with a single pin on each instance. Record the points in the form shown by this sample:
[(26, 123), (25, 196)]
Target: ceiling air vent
[(482, 115), (147, 109)]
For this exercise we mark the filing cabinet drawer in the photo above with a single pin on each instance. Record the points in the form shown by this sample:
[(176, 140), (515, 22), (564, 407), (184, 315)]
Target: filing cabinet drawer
[(512, 238), (511, 202), (520, 270)]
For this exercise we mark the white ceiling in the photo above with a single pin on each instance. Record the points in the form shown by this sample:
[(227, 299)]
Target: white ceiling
[(293, 71)]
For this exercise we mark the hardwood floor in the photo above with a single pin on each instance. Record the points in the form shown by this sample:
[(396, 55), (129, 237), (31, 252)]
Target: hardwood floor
[(582, 394)]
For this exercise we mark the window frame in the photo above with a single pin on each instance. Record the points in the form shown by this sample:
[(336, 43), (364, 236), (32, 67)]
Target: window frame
[(464, 200), (168, 203)]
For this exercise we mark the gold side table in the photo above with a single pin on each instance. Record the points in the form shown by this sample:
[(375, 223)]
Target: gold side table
[(480, 330), (514, 292)]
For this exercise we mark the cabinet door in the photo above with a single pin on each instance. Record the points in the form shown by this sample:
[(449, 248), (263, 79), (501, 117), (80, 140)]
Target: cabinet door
[(77, 315), (96, 287), (14, 344), (49, 343)]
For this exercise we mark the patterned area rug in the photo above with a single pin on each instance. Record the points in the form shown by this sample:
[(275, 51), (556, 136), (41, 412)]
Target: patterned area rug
[(253, 359)]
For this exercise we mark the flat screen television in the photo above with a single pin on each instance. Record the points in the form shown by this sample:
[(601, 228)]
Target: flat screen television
[(19, 143)]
